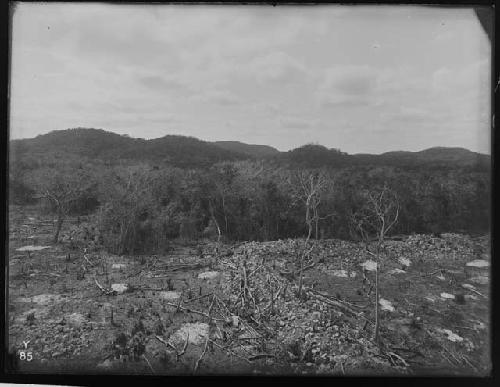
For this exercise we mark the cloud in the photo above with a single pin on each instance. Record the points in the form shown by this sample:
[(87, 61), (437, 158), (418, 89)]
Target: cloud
[(297, 122), (328, 100), (219, 97), (350, 80), (278, 67), (348, 86), (408, 115), (475, 75), (160, 83)]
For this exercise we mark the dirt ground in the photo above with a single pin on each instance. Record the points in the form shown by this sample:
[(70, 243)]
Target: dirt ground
[(208, 309)]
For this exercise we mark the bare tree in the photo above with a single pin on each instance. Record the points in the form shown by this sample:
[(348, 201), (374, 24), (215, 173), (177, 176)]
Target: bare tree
[(219, 234), (61, 187), (127, 192), (308, 187), (375, 218)]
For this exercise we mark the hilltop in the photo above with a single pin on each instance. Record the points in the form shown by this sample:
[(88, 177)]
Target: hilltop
[(183, 151)]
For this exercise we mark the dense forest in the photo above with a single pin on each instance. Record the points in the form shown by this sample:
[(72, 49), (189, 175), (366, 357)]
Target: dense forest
[(143, 193)]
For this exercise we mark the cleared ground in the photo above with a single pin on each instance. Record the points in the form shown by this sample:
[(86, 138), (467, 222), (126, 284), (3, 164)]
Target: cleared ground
[(234, 309)]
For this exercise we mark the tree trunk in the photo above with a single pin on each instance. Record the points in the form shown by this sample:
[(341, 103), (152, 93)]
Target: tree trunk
[(377, 306), (303, 257), (60, 219)]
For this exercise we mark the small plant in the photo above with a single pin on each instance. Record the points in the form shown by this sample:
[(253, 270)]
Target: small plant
[(159, 328), (30, 318), (170, 286), (138, 327), (199, 251)]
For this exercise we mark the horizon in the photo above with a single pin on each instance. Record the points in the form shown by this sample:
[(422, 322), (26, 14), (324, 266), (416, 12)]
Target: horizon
[(238, 141), (364, 79)]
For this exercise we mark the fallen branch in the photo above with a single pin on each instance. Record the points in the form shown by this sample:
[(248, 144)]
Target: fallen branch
[(149, 364), (261, 356), (201, 356), (210, 309), (189, 310), (465, 357), (179, 354), (442, 346), (170, 345), (344, 308), (85, 257), (198, 298), (414, 351), (475, 291), (105, 291), (335, 299), (309, 266), (393, 354)]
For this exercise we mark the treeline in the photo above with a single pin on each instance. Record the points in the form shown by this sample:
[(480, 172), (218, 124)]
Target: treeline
[(189, 152), (140, 208)]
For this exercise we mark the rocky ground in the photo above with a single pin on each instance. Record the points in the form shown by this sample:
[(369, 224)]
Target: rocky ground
[(211, 309)]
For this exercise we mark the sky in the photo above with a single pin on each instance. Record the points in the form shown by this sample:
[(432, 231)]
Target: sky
[(364, 79)]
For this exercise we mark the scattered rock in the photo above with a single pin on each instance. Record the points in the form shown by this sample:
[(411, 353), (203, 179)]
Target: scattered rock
[(208, 275), (451, 336), (32, 248), (23, 299), (169, 295), (45, 299), (119, 288), (369, 265), (386, 305), (480, 280), (478, 270), (195, 332), (76, 320), (478, 263), (447, 296), (340, 273)]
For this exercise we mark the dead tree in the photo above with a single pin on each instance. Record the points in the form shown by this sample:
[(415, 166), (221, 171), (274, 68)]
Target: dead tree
[(61, 187), (219, 234), (308, 187), (373, 220)]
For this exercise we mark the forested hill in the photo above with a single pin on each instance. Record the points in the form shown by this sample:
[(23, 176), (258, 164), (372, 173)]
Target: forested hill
[(316, 156), (181, 151), (98, 144), (248, 149)]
